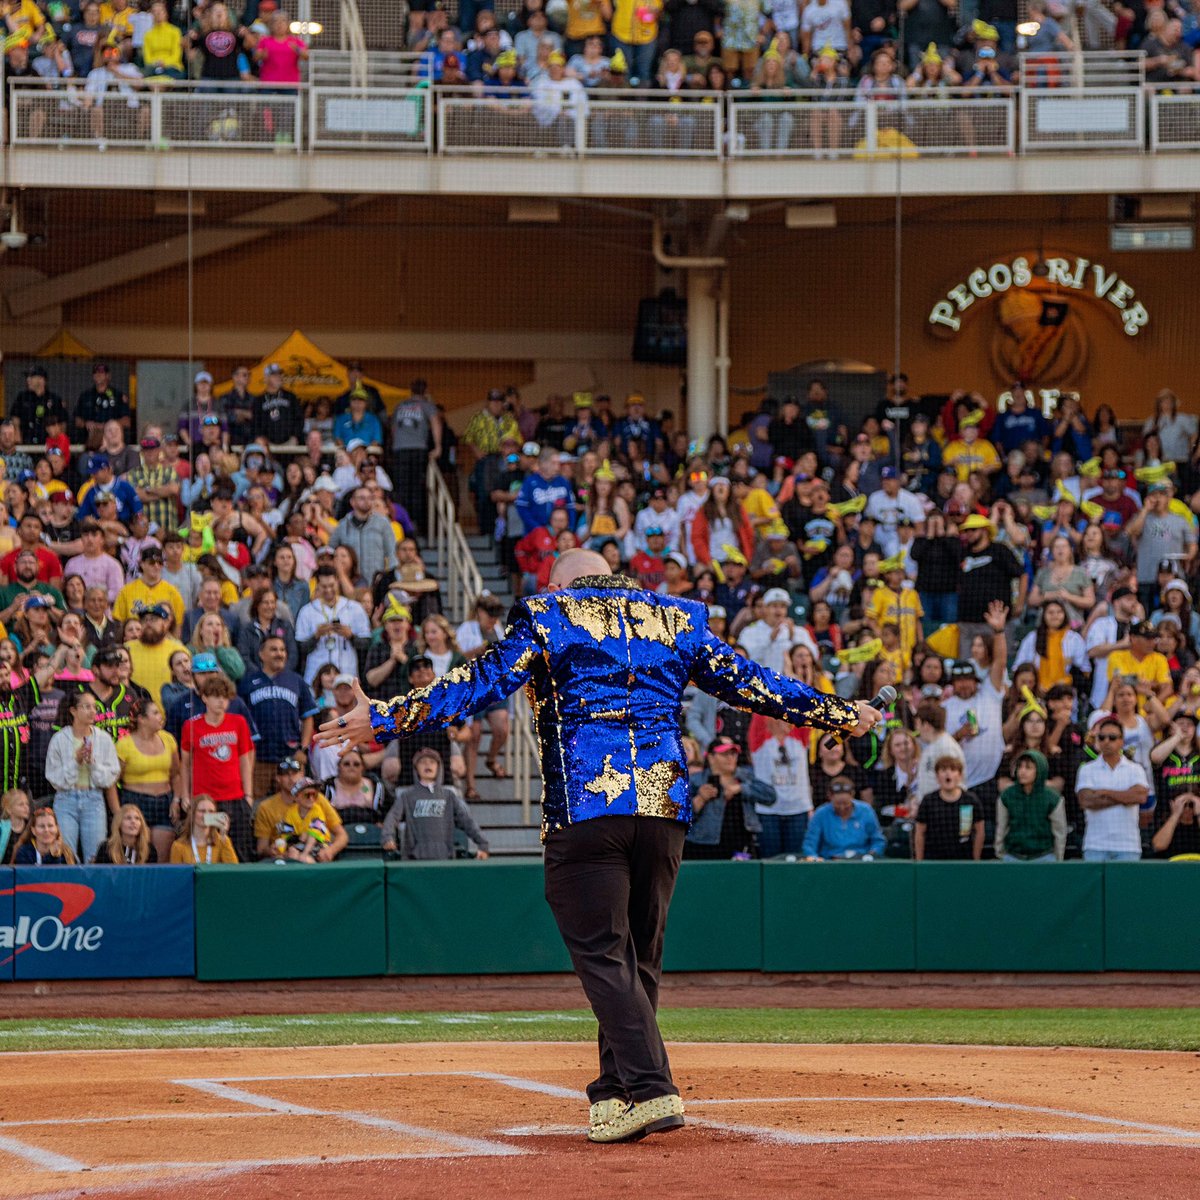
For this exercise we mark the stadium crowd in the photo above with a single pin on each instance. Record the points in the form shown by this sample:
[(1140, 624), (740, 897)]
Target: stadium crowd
[(1025, 581), (178, 613), (831, 49)]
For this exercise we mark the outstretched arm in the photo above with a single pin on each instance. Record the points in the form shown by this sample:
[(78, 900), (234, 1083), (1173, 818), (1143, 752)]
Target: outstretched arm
[(744, 684), (458, 694)]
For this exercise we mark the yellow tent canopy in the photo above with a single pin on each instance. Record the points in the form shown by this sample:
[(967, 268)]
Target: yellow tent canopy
[(310, 372), (64, 344)]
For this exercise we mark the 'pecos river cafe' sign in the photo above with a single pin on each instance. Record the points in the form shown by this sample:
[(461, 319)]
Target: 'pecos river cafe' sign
[(1078, 275)]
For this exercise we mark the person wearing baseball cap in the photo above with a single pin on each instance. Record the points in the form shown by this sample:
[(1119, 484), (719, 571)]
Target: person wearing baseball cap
[(30, 409), (97, 404), (721, 786), (430, 811), (150, 588), (102, 482), (268, 816), (891, 504), (989, 570), (312, 830), (1141, 663), (278, 414)]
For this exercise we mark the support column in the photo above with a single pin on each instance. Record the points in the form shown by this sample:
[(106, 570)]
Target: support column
[(701, 353)]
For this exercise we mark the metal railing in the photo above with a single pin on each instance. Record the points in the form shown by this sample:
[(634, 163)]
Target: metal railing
[(784, 124), (463, 584), (1082, 68), (628, 123), (384, 68), (158, 116)]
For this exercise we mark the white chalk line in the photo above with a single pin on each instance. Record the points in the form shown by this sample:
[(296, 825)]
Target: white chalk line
[(157, 1116), (47, 1160), (1132, 1128), (451, 1141), (967, 1101)]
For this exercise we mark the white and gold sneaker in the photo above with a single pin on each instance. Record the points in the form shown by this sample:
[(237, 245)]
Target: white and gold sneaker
[(604, 1111), (635, 1120)]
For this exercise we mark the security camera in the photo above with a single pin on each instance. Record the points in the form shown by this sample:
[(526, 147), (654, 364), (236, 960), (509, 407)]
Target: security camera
[(13, 239)]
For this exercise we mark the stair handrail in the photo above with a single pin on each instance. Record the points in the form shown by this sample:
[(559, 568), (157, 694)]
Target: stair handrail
[(463, 584)]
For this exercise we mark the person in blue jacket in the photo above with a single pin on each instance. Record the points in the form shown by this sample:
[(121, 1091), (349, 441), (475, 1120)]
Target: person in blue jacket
[(605, 664), (843, 827)]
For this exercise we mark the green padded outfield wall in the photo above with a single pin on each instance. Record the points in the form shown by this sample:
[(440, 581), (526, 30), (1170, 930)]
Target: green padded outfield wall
[(1150, 914), (838, 916), (1009, 916), (715, 922), (265, 921), (470, 919)]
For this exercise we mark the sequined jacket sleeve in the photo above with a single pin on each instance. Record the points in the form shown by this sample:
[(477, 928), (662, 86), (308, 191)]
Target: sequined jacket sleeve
[(465, 690), (745, 684)]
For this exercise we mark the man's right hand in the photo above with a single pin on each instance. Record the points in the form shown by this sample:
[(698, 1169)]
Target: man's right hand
[(868, 718)]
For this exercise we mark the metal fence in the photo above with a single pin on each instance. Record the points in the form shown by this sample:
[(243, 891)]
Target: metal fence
[(631, 123), (780, 124), (628, 122), (160, 116), (1082, 68)]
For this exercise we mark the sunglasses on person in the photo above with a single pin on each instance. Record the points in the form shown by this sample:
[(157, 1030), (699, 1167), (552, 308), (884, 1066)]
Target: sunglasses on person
[(841, 789), (1109, 737)]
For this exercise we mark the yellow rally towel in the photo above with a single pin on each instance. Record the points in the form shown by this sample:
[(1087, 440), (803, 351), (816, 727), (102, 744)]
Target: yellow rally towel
[(861, 654), (944, 641), (846, 507)]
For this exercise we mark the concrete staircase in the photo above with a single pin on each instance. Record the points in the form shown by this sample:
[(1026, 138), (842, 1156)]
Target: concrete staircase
[(498, 811)]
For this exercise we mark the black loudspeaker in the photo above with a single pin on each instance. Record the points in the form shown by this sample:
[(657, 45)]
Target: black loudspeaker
[(661, 334)]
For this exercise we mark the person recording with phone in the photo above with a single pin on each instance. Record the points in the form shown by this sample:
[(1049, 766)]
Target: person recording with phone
[(205, 838), (82, 767)]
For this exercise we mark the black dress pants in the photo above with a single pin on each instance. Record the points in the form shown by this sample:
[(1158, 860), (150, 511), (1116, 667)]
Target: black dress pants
[(609, 883)]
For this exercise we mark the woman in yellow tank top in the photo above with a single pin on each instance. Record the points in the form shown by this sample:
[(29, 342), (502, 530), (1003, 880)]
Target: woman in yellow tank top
[(150, 774)]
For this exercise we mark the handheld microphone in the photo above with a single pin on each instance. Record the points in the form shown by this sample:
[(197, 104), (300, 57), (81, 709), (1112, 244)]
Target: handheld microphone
[(884, 697)]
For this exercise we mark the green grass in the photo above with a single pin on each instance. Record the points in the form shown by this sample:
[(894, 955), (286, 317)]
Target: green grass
[(1130, 1028)]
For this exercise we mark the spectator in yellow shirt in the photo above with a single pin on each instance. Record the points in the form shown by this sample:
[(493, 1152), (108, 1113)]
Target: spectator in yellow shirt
[(151, 589), (1142, 665), (150, 655), (895, 604), (635, 31), (969, 452), (162, 48)]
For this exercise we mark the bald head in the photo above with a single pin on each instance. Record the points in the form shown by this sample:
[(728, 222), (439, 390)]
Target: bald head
[(573, 564)]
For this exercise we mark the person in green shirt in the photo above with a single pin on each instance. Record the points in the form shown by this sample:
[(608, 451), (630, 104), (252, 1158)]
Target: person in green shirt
[(1031, 818), (25, 584)]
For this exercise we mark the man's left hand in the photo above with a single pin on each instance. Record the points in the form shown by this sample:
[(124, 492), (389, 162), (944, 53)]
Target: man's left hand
[(868, 718), (349, 729)]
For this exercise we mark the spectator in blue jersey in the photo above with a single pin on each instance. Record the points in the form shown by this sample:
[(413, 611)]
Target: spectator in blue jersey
[(284, 709), (635, 424), (844, 827), (1072, 432), (104, 483), (1019, 423), (191, 704), (543, 492)]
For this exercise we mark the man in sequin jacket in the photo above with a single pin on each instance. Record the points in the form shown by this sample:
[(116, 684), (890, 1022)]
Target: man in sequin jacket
[(605, 665)]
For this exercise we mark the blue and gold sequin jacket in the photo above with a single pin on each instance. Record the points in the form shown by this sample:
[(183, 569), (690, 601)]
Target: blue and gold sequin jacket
[(605, 665)]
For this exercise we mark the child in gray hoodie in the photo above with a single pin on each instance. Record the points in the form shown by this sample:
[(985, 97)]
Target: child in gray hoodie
[(429, 812)]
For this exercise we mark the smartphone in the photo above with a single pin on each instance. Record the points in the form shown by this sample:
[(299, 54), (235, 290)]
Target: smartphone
[(214, 820)]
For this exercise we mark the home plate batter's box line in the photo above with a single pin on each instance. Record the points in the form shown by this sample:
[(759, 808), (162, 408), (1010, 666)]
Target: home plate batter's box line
[(1119, 1131)]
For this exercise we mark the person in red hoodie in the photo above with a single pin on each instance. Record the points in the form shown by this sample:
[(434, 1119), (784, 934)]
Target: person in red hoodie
[(647, 566), (721, 521), (537, 547), (564, 542)]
